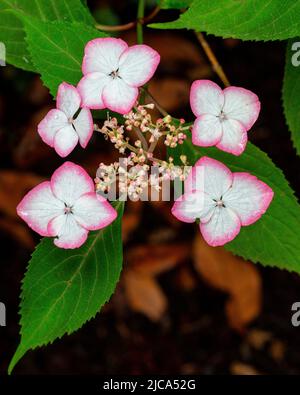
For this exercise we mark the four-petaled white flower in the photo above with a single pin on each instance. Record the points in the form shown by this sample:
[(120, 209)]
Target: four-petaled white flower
[(64, 126), (223, 201), (223, 116), (113, 72), (67, 207)]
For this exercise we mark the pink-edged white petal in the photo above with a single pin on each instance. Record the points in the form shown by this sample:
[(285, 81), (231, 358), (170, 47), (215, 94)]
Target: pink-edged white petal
[(206, 97), (65, 140), (210, 176), (102, 55), (67, 232), (48, 127), (39, 206), (192, 206), (138, 64), (248, 197), (119, 97), (91, 88), (207, 130), (68, 99), (234, 138), (84, 126), (93, 212), (242, 105), (223, 227), (69, 182)]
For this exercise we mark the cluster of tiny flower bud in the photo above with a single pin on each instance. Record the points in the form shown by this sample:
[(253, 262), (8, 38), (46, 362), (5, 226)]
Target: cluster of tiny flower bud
[(115, 133), (132, 172), (141, 118), (133, 176), (170, 171), (134, 181), (175, 134), (106, 176)]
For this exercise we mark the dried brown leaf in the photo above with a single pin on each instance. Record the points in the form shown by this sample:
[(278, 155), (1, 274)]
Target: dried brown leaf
[(277, 350), (185, 279), (157, 258), (240, 368), (13, 186), (231, 274), (131, 218), (257, 338), (144, 295)]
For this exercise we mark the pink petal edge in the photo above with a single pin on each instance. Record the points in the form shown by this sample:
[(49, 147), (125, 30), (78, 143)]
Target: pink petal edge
[(68, 245), (238, 150), (59, 96), (268, 195), (23, 202), (220, 241), (207, 161), (155, 62), (65, 167), (99, 105), (121, 109), (91, 43), (256, 103), (178, 212), (193, 92), (43, 124), (91, 128), (196, 136), (109, 208)]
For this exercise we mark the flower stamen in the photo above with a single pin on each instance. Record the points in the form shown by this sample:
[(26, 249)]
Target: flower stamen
[(115, 74), (68, 209)]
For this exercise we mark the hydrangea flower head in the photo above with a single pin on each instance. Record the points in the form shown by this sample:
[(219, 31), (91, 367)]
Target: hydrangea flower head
[(223, 201), (66, 207), (223, 116), (64, 126), (113, 72)]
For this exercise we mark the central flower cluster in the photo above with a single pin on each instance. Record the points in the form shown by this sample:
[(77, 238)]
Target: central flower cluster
[(68, 207)]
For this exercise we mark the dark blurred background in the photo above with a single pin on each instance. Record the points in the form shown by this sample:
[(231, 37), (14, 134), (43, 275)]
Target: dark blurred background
[(180, 307)]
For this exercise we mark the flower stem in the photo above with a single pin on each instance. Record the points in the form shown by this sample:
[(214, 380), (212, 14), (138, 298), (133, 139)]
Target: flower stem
[(129, 25), (212, 58), (158, 106), (141, 138), (140, 18), (152, 146)]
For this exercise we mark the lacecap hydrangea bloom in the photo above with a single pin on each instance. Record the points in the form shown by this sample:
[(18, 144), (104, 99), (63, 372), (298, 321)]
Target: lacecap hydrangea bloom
[(113, 72), (223, 116), (64, 126), (221, 200), (66, 207)]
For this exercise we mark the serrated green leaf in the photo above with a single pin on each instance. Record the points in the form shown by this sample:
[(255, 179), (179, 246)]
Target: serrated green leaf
[(247, 20), (291, 91), (63, 289), (273, 240), (174, 4), (57, 49), (12, 32)]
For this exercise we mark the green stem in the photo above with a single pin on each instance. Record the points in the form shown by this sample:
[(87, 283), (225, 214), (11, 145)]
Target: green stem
[(139, 34), (140, 17)]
